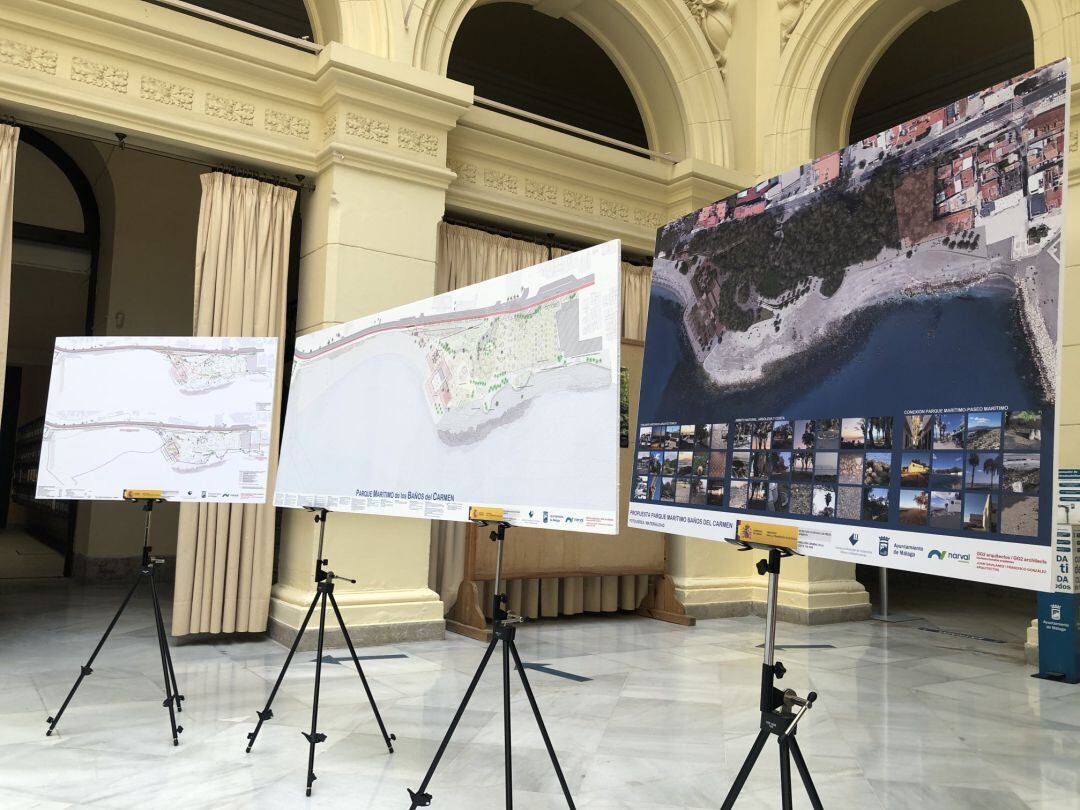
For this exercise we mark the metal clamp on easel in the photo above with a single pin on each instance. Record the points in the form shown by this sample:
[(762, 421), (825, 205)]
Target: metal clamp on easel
[(778, 707), (148, 570), (503, 629)]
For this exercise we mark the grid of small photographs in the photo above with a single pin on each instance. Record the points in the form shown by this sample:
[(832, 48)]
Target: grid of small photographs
[(828, 468), (975, 472), (681, 464)]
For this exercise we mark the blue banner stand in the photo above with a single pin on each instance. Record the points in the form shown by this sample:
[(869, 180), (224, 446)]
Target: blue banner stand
[(1059, 610), (1059, 637)]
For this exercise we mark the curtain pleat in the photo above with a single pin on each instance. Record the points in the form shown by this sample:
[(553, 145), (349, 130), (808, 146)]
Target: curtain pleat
[(466, 256), (9, 145), (225, 552)]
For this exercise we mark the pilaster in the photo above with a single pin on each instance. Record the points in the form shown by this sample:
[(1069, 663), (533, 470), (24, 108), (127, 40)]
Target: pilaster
[(369, 243)]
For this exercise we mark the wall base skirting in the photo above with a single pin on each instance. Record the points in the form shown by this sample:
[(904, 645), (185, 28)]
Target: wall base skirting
[(372, 617), (785, 613), (817, 602), (90, 570), (365, 635)]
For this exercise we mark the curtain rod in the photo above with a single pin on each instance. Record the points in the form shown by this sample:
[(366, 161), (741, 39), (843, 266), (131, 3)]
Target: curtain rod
[(548, 240), (120, 141)]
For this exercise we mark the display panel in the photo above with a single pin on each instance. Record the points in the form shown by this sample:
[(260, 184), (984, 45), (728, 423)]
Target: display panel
[(188, 416), (502, 394), (867, 346)]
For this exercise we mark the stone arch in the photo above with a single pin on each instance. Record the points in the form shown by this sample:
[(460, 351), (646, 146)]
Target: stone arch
[(660, 51), (832, 50), (326, 20)]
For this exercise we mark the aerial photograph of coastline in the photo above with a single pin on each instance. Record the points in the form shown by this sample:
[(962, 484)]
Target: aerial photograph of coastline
[(912, 277)]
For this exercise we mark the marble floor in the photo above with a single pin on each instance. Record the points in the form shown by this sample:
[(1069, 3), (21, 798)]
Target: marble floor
[(906, 718)]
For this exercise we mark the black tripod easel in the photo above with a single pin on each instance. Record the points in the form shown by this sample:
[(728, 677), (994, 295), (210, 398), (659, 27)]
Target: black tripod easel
[(148, 570), (503, 629), (778, 715), (324, 592)]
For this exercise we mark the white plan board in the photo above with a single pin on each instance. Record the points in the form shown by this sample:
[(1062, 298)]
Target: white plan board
[(503, 394), (188, 416)]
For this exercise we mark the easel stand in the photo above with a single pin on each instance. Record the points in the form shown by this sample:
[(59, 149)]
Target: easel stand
[(503, 629), (148, 570), (324, 592), (778, 714)]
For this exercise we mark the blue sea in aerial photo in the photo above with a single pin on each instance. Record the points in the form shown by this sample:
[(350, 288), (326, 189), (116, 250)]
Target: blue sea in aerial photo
[(956, 350)]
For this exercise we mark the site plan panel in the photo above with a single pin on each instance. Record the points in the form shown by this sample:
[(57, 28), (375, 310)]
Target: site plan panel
[(504, 393), (188, 416)]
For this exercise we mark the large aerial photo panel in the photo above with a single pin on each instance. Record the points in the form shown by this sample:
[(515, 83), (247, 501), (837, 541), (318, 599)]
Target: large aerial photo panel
[(866, 346), (502, 394)]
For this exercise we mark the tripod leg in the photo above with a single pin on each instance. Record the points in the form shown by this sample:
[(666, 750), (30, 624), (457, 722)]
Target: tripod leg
[(804, 772), (785, 775), (420, 798), (359, 670), (314, 738), (507, 738), (86, 669), (744, 772), (266, 713), (164, 642), (164, 663), (540, 723)]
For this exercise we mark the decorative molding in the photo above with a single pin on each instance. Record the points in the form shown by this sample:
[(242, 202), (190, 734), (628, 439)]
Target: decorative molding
[(577, 201), (29, 57), (614, 210), (369, 129), (330, 126), (542, 192), (715, 19), (286, 124), (416, 141), (163, 92), (500, 181), (230, 109), (644, 218), (791, 11), (1074, 140), (466, 172), (108, 77)]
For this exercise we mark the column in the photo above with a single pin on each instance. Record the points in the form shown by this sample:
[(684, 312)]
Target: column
[(369, 244)]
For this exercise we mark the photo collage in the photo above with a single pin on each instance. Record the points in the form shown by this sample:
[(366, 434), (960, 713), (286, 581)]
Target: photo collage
[(956, 471)]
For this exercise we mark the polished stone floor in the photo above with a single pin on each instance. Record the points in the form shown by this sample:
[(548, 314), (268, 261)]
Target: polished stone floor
[(906, 718)]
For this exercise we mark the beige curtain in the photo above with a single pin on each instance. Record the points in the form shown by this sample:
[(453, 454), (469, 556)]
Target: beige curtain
[(9, 144), (466, 256), (225, 552)]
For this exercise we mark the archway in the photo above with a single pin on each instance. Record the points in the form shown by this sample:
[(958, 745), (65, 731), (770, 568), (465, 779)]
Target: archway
[(658, 48), (55, 247), (831, 54), (504, 51)]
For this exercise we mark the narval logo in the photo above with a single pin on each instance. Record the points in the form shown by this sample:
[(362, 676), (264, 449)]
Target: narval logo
[(951, 555), (854, 539), (935, 554)]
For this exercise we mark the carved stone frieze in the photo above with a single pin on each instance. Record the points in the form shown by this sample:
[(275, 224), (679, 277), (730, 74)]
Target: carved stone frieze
[(285, 123), (368, 129), (99, 74), (29, 57), (230, 109), (500, 181), (413, 140), (163, 92)]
